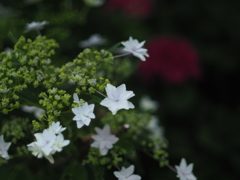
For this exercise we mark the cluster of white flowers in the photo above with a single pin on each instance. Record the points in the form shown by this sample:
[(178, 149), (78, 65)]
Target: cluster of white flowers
[(127, 174), (4, 146), (48, 142), (104, 140), (51, 140)]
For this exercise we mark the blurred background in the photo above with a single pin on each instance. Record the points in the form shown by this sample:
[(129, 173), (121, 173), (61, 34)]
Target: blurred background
[(193, 69)]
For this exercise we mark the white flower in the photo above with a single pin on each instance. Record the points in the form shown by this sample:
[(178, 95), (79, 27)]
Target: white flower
[(45, 141), (4, 146), (76, 99), (184, 172), (56, 128), (134, 47), (94, 3), (117, 98), (48, 142), (35, 25), (155, 129), (33, 109), (148, 104), (127, 174), (93, 40), (104, 140), (37, 151), (83, 114), (60, 143), (4, 90)]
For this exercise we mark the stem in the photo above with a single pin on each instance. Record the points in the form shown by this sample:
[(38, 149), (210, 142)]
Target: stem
[(38, 32), (100, 93), (121, 55), (172, 168), (117, 167)]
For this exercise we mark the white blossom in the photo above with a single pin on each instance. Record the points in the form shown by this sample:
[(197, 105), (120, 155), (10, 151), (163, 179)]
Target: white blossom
[(48, 142), (60, 143), (76, 99), (83, 114), (33, 109), (117, 98), (35, 26), (127, 174), (147, 104), (155, 129), (104, 140), (45, 141), (4, 146), (184, 171), (56, 128), (134, 47), (93, 40)]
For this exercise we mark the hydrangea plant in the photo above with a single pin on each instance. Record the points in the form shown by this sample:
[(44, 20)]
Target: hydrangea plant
[(78, 90)]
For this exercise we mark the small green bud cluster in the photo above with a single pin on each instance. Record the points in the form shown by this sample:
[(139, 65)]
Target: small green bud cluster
[(16, 128), (136, 130), (28, 63), (82, 71), (118, 71), (53, 101), (114, 157)]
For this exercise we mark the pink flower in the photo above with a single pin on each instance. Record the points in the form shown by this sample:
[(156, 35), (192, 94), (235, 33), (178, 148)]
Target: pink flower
[(134, 8), (172, 59)]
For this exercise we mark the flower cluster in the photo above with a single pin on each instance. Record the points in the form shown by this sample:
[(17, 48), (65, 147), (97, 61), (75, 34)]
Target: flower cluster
[(32, 68), (48, 142)]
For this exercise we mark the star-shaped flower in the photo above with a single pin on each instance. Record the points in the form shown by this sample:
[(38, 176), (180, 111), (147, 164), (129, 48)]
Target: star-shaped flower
[(127, 174), (35, 25), (94, 40), (117, 98), (104, 140), (83, 114), (184, 172), (4, 148), (134, 47), (56, 128)]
